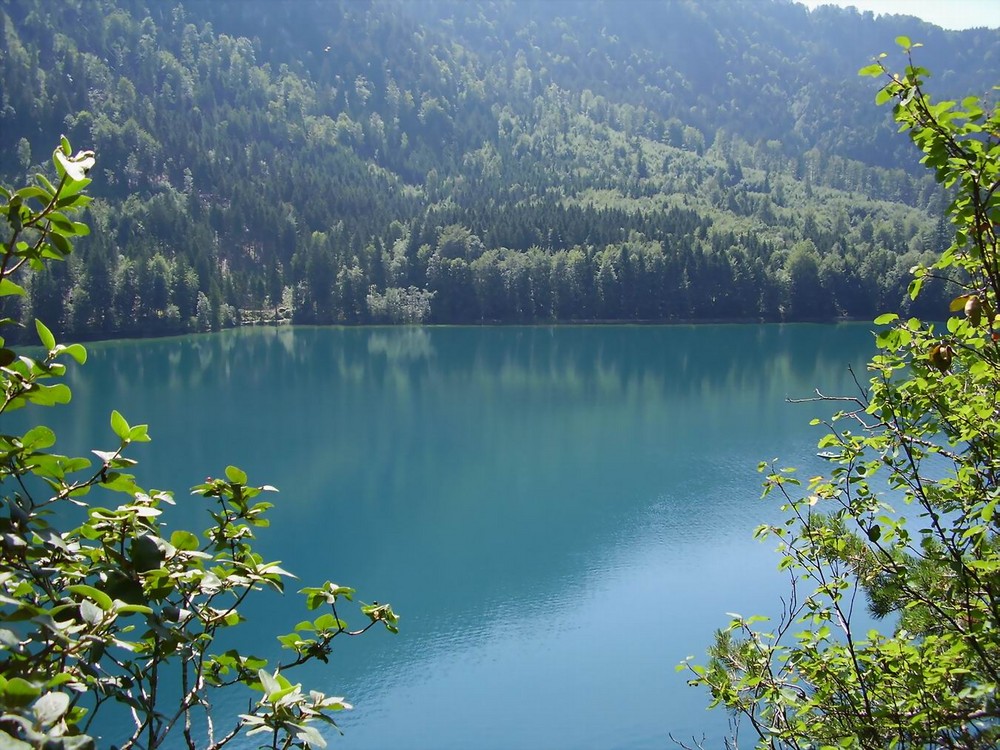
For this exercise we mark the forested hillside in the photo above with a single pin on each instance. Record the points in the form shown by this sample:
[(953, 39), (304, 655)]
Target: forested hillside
[(512, 160)]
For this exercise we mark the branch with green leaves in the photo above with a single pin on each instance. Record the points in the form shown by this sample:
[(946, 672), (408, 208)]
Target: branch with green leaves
[(906, 516), (114, 609)]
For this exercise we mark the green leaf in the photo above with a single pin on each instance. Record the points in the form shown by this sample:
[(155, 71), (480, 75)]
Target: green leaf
[(904, 42), (119, 426), (184, 540), (958, 304), (141, 609), (44, 182), (9, 288), (35, 192), (60, 223), (886, 318), (100, 598), (77, 352), (70, 193), (19, 692), (60, 679), (61, 244), (146, 554), (236, 475), (45, 335), (125, 588), (139, 434), (120, 483), (50, 395), (326, 622), (38, 438), (291, 640)]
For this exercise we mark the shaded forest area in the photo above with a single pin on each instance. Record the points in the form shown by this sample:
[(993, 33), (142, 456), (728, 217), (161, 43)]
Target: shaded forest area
[(484, 161)]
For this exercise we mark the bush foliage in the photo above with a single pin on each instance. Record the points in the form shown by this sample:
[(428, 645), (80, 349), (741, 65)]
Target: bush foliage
[(907, 516), (104, 605)]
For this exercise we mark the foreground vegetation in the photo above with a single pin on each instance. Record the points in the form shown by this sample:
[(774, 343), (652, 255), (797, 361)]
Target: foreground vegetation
[(907, 516), (110, 613)]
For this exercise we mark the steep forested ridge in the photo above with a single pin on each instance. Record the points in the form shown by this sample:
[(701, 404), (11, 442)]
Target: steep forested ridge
[(506, 160)]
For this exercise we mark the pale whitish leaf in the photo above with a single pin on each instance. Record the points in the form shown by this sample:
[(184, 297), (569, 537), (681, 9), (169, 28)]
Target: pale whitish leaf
[(50, 708), (76, 167), (275, 568), (144, 511), (9, 743), (210, 582), (90, 612), (310, 737), (269, 683)]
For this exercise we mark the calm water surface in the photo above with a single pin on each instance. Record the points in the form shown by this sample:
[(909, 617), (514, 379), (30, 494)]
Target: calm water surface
[(560, 515)]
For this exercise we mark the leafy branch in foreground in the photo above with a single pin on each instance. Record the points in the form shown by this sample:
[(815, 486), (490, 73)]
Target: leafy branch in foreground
[(906, 521), (111, 609)]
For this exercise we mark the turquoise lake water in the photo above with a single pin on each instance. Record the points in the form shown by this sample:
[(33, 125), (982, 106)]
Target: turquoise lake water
[(559, 514)]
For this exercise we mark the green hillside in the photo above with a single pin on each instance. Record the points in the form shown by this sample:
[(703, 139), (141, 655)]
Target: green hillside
[(511, 161)]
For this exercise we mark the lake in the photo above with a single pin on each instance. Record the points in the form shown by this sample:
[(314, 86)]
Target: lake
[(560, 514)]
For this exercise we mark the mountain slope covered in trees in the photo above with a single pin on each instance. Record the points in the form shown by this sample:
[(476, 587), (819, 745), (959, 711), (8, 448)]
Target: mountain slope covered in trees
[(504, 160)]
